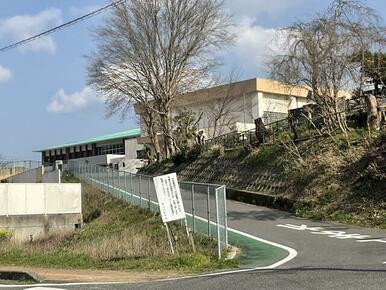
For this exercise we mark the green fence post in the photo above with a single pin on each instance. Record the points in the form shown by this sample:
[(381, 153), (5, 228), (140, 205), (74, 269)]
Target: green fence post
[(193, 209), (218, 226), (208, 208)]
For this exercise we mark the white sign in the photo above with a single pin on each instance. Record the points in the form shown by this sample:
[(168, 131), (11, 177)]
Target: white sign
[(169, 197)]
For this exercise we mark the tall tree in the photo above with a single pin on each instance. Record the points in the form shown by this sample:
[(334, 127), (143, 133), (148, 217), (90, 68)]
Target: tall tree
[(320, 54), (152, 51)]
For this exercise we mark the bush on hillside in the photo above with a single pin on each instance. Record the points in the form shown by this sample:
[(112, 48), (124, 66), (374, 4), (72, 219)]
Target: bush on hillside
[(5, 235), (218, 150), (188, 154)]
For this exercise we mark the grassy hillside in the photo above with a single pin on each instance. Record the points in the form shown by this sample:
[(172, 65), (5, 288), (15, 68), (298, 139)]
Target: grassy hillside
[(116, 236), (341, 183), (327, 178)]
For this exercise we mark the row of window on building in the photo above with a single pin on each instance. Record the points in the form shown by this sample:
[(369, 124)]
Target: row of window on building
[(81, 151)]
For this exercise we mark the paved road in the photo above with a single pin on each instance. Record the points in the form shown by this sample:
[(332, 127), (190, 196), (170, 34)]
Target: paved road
[(330, 256)]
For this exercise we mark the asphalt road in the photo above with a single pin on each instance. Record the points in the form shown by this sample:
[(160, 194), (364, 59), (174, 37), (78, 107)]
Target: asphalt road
[(329, 256)]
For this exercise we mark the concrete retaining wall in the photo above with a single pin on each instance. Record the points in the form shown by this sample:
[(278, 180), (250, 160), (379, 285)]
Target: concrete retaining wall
[(52, 176), (32, 227), (7, 172), (24, 199), (37, 209), (29, 176)]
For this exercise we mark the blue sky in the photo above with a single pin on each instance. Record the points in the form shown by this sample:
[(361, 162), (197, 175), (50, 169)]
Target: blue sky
[(43, 93)]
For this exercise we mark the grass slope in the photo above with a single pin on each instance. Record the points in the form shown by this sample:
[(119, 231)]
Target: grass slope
[(335, 181), (116, 236)]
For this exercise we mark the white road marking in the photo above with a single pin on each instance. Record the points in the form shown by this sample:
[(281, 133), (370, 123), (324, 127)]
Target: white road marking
[(332, 234), (43, 288), (372, 240), (292, 253)]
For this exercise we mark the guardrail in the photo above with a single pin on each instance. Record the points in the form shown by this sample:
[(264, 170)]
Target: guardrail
[(205, 204)]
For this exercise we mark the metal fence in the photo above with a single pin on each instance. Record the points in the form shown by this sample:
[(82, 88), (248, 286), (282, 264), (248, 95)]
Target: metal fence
[(205, 204), (23, 164), (279, 131), (234, 139)]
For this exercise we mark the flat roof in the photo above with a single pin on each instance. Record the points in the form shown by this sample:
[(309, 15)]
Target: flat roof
[(122, 134), (236, 89)]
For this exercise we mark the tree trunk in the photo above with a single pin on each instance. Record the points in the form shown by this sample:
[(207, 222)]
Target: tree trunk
[(372, 112), (170, 147), (150, 121), (155, 142)]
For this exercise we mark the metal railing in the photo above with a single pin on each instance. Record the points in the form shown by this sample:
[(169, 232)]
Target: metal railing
[(275, 131), (235, 138), (205, 204)]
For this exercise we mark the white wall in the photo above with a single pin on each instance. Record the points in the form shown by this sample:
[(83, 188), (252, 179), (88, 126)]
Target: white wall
[(29, 176), (30, 199), (131, 148), (52, 176), (243, 109)]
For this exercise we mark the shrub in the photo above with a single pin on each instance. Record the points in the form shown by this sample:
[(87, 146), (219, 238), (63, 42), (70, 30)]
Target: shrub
[(265, 155), (5, 235), (188, 154), (218, 150)]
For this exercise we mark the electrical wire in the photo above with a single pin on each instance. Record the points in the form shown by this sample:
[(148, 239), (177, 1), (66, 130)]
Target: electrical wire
[(57, 28)]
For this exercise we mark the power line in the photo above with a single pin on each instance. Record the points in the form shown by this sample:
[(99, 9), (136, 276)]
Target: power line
[(64, 25)]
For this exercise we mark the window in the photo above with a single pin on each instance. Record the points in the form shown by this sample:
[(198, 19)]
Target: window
[(111, 149)]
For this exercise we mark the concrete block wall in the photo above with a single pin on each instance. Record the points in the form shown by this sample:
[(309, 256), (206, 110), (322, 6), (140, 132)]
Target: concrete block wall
[(35, 210)]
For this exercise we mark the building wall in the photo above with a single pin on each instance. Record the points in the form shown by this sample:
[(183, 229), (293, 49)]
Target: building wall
[(110, 147), (131, 148), (241, 110)]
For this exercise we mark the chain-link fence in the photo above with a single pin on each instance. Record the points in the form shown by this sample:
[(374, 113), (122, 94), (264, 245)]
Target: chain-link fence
[(205, 204)]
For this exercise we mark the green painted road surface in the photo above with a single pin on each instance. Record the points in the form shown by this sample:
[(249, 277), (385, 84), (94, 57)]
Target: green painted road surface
[(253, 253)]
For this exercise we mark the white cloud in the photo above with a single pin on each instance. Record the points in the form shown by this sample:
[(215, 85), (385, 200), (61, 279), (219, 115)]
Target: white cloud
[(262, 8), (5, 74), (254, 44), (19, 27), (80, 11), (68, 103)]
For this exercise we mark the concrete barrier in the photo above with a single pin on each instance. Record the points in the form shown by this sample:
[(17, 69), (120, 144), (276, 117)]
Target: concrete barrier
[(52, 176), (29, 176), (40, 198), (34, 210), (7, 172)]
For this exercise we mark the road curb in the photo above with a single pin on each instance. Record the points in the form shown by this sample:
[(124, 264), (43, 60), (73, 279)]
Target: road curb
[(261, 199), (19, 275)]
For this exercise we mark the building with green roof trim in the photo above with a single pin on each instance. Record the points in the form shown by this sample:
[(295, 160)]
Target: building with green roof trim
[(123, 144)]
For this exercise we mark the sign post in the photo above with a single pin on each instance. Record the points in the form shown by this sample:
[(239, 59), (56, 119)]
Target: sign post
[(170, 202)]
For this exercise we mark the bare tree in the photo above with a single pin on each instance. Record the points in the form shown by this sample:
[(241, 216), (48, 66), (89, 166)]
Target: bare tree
[(152, 51), (320, 54), (221, 113)]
